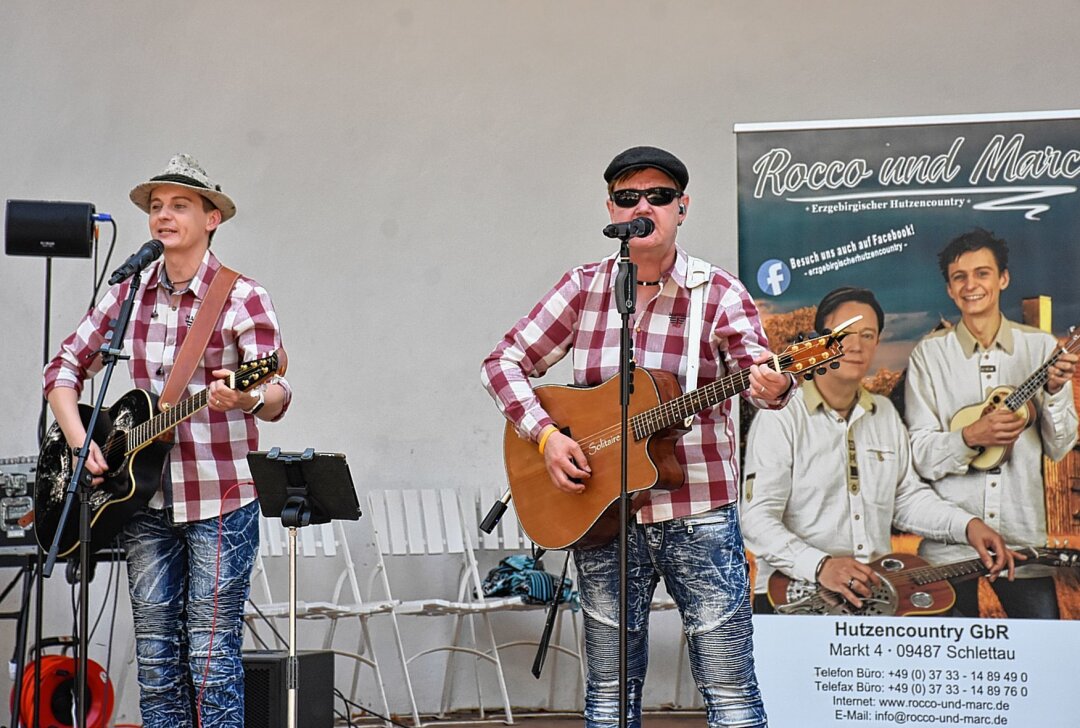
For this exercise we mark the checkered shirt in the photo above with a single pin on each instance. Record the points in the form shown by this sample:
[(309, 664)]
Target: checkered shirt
[(209, 455), (579, 316)]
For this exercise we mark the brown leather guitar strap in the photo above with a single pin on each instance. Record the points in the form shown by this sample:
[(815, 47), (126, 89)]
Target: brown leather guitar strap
[(198, 336)]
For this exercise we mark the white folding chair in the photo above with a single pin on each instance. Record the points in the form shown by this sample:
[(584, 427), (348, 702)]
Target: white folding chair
[(509, 538), (430, 523), (326, 543)]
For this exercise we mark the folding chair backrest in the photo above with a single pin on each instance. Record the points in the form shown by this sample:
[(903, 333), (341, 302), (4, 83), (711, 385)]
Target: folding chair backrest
[(419, 522), (322, 541)]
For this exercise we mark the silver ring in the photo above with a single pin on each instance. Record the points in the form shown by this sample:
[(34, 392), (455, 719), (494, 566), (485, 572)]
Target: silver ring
[(851, 583)]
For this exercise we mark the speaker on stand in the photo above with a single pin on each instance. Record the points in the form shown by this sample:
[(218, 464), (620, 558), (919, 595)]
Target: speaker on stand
[(49, 230), (44, 229)]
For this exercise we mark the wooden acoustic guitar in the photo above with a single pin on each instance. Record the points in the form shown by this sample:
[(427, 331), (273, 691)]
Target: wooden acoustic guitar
[(1016, 400), (130, 436), (909, 586), (592, 416)]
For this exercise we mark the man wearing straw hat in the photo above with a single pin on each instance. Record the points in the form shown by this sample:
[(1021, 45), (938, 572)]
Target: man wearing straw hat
[(191, 549)]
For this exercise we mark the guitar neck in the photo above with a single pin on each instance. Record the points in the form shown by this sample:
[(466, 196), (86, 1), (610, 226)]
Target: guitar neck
[(959, 570), (1035, 382), (158, 425), (680, 408), (1031, 385)]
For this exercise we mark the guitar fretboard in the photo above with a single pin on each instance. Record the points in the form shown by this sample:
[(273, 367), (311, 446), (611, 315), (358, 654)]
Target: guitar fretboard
[(1036, 381), (158, 425), (684, 406), (929, 574)]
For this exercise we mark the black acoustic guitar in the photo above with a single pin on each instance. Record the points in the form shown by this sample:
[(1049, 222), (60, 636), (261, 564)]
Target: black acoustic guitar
[(130, 435)]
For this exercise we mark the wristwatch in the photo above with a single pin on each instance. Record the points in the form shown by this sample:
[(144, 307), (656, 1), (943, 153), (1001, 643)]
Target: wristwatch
[(260, 400)]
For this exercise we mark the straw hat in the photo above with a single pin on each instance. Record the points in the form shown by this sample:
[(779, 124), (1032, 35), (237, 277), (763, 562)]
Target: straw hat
[(184, 171)]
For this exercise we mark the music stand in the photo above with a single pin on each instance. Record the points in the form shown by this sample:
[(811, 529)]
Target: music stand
[(301, 489)]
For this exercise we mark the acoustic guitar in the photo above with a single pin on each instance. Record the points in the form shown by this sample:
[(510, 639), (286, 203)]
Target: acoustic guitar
[(1016, 400), (909, 586), (130, 437), (592, 416)]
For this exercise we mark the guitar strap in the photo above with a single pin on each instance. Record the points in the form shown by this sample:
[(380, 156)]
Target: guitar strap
[(697, 278), (198, 336)]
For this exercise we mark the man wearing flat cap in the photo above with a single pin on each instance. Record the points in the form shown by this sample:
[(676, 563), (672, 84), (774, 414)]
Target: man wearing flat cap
[(190, 550), (688, 536)]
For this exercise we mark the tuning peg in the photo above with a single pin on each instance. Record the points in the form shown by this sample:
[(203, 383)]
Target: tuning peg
[(800, 337), (821, 370), (834, 364), (808, 376)]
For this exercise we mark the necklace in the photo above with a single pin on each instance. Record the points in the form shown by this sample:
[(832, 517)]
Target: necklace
[(650, 283), (176, 286)]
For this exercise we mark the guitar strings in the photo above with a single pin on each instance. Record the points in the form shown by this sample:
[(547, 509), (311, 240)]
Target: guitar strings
[(685, 405), (1026, 390), (667, 413), (117, 442), (158, 424)]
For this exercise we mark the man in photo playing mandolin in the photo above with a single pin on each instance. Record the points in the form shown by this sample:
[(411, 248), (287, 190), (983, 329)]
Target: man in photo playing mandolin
[(689, 536), (187, 588), (826, 478), (978, 452)]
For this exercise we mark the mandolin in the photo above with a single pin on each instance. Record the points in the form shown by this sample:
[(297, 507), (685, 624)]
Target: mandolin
[(1016, 400)]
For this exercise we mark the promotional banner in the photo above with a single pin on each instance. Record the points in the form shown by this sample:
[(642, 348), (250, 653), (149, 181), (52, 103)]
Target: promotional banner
[(872, 204)]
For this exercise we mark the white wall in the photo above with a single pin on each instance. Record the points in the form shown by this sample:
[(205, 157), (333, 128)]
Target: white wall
[(411, 175)]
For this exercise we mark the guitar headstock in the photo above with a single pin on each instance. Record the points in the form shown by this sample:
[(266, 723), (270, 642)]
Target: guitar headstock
[(251, 373), (1072, 344), (1060, 557), (807, 357)]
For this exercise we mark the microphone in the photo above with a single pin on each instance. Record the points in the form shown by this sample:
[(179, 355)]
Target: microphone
[(639, 227), (137, 261)]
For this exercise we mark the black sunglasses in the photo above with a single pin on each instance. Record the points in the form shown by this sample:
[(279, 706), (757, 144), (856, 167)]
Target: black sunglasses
[(655, 196)]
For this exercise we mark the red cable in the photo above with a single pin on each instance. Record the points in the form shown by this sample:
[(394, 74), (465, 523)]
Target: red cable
[(213, 620)]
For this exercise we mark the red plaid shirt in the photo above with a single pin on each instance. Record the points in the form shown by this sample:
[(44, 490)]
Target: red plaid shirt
[(209, 456), (579, 316)]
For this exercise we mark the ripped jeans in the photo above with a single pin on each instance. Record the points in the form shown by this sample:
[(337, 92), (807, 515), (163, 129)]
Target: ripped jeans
[(171, 579), (703, 564)]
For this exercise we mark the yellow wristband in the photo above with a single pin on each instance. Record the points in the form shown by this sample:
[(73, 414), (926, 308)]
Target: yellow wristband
[(544, 439)]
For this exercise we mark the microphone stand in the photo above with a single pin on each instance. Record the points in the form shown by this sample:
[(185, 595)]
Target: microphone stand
[(625, 302), (111, 352)]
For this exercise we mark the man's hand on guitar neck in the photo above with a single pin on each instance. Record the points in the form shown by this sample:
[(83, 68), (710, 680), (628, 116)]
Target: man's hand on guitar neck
[(767, 384), (993, 552), (1061, 372), (565, 461)]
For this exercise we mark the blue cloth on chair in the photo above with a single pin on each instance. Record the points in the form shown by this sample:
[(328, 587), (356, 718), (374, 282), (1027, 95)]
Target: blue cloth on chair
[(517, 575)]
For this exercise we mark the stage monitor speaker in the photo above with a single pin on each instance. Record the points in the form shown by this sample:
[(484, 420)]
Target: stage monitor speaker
[(49, 229), (266, 690)]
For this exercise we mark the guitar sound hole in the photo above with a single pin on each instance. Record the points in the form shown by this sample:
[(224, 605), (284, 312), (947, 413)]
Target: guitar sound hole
[(892, 564)]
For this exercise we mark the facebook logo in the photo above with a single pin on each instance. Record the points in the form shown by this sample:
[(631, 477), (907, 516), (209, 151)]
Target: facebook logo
[(773, 277)]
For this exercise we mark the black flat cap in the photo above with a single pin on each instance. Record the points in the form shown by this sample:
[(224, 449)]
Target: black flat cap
[(645, 157)]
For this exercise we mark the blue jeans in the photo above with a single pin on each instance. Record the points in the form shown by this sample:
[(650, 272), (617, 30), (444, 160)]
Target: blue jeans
[(171, 579), (703, 564)]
